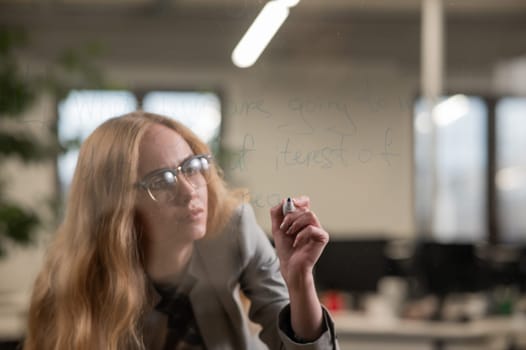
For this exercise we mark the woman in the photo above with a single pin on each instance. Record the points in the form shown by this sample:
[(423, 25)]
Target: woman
[(154, 248)]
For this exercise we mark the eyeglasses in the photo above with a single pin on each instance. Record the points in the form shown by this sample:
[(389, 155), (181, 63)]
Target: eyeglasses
[(163, 185)]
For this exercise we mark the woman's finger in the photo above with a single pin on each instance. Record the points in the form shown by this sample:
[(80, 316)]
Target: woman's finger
[(294, 223), (310, 232), (302, 201)]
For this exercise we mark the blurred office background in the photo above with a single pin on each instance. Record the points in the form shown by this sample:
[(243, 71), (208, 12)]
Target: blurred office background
[(403, 120)]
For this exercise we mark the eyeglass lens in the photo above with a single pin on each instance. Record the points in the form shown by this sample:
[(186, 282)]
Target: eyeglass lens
[(194, 171)]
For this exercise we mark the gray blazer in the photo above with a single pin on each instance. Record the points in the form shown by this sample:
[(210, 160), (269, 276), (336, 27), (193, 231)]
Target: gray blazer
[(240, 257)]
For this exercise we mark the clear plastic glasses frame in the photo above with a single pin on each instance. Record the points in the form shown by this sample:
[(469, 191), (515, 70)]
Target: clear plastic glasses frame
[(163, 185)]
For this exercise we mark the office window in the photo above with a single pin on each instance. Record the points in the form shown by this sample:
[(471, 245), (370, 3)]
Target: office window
[(83, 110), (510, 179), (200, 111), (78, 115), (460, 154)]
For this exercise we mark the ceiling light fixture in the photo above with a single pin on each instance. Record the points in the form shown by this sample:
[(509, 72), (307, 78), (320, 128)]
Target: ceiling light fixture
[(262, 30)]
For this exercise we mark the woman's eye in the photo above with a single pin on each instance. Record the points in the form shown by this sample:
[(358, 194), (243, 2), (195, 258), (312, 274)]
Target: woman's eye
[(204, 164), (168, 177), (193, 166)]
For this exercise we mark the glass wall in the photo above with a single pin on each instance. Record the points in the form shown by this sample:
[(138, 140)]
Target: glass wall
[(511, 169), (460, 151)]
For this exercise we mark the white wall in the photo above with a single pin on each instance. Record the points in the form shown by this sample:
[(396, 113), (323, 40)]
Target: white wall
[(348, 130)]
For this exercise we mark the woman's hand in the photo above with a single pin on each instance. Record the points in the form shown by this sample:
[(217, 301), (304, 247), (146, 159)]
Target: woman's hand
[(299, 240)]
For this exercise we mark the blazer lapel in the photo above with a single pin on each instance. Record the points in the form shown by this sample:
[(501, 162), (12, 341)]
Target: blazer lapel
[(208, 307), (217, 313)]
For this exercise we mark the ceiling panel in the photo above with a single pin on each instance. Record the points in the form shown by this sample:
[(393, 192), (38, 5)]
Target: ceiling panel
[(387, 6)]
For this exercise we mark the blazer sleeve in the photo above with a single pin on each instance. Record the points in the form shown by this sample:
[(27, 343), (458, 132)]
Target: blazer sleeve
[(263, 284)]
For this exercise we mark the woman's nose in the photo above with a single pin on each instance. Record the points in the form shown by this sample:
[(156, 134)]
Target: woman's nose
[(185, 190)]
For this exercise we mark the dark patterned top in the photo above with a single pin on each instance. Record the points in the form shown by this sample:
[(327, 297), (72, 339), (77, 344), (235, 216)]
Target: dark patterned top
[(183, 332)]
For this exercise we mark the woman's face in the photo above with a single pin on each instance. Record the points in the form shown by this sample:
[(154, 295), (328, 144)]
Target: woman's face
[(182, 219)]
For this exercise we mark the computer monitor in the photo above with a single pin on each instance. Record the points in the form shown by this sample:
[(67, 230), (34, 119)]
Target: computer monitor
[(353, 266), (444, 268), (504, 265), (522, 269)]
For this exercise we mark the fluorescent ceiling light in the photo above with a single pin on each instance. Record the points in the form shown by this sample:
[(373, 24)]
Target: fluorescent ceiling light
[(289, 3), (257, 37), (450, 110)]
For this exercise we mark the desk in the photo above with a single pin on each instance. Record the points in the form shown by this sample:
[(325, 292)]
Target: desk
[(481, 334)]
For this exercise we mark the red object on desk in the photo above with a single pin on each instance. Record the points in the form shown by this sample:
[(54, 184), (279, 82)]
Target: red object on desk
[(333, 300)]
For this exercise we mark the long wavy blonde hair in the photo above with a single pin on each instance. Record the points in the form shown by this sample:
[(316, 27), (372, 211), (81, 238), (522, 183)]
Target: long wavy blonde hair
[(93, 290)]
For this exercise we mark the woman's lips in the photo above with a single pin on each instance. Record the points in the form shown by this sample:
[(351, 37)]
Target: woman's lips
[(195, 213)]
